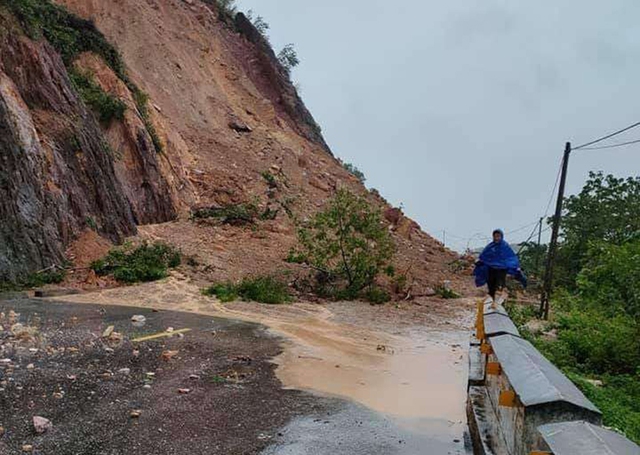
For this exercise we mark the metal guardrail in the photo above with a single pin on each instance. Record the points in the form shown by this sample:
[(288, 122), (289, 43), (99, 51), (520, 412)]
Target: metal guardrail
[(516, 395)]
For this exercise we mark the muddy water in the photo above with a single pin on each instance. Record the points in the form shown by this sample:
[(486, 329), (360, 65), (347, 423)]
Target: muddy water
[(414, 376)]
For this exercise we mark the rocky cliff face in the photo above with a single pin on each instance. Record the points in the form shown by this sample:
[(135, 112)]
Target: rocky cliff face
[(223, 111), (57, 174)]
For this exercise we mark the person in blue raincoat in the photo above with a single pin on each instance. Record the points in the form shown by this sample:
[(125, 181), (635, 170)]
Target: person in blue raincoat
[(497, 261)]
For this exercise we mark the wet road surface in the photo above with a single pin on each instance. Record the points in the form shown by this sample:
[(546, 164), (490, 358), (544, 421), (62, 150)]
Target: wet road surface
[(408, 400)]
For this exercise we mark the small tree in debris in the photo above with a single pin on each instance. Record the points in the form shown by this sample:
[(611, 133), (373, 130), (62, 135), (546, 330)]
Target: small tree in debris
[(347, 244)]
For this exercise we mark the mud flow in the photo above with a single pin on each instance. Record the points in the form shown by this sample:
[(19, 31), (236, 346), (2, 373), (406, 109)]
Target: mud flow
[(414, 376)]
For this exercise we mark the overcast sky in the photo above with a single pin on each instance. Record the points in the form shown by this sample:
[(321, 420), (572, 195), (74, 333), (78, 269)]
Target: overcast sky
[(460, 110)]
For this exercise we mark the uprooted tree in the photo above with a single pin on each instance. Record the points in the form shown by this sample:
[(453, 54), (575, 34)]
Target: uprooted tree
[(347, 244)]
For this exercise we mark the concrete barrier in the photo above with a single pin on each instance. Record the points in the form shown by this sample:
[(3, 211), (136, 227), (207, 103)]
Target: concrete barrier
[(515, 392)]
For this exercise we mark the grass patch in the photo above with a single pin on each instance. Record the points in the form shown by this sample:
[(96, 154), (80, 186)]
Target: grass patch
[(146, 262), (106, 106), (264, 289)]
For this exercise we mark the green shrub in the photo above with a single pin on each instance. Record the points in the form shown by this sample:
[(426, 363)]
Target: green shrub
[(377, 295), (35, 280), (599, 344), (226, 292), (147, 262), (347, 244), (618, 399), (591, 344), (446, 293), (263, 289), (353, 170), (105, 105), (69, 34), (270, 179), (610, 280), (233, 214)]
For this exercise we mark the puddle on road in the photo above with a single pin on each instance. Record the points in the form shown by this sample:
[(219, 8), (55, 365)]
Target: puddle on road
[(416, 377)]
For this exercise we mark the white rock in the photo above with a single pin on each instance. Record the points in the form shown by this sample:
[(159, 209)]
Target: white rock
[(41, 424)]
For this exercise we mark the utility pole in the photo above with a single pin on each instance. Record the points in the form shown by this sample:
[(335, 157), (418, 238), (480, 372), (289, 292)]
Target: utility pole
[(553, 244), (444, 238), (538, 251)]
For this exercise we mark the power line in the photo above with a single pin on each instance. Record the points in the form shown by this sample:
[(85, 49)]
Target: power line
[(608, 136), (612, 146), (553, 191), (521, 228)]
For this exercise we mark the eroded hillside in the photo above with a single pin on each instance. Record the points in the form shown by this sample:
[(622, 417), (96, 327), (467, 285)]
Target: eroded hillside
[(211, 119)]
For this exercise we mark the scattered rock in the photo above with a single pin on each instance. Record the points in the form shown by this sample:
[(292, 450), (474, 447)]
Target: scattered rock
[(108, 331), (168, 355), (27, 448), (124, 370), (240, 126), (41, 424), (138, 320), (184, 391)]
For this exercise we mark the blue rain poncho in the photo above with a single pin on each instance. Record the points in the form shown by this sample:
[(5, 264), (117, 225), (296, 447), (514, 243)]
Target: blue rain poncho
[(498, 255)]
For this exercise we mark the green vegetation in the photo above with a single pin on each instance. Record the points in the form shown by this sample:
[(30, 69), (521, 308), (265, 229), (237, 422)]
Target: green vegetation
[(446, 293), (347, 244), (53, 275), (106, 106), (606, 210), (259, 23), (263, 289), (146, 262), (142, 103), (353, 170), (592, 348), (243, 214), (67, 33), (226, 7), (594, 331), (270, 179), (71, 36), (233, 214), (376, 295), (288, 58)]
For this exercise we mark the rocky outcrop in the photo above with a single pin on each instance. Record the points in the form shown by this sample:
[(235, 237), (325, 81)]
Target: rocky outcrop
[(56, 174)]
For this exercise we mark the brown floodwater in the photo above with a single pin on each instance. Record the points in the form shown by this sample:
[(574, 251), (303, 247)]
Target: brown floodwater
[(414, 375)]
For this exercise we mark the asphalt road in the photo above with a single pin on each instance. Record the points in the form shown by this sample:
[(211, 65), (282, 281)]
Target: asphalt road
[(57, 364)]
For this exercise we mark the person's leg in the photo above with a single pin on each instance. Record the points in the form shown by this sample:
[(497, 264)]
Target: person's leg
[(500, 285), (491, 282)]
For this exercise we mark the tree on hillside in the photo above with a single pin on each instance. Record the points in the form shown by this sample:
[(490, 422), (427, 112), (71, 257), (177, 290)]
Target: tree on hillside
[(288, 57), (606, 210), (347, 244), (259, 23)]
